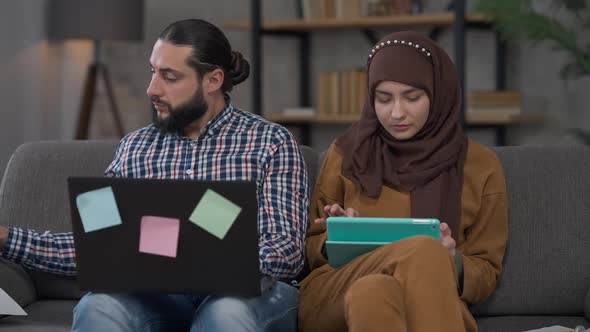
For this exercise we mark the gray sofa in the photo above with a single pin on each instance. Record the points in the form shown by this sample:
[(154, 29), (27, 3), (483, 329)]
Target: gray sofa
[(547, 268)]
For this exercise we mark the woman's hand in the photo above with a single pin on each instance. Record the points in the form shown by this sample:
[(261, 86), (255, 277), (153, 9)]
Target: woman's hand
[(335, 210), (445, 238)]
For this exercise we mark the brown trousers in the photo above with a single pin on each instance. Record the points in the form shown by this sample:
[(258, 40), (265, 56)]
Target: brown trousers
[(409, 285)]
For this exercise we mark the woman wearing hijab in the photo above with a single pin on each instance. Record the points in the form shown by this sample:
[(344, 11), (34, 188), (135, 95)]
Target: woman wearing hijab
[(407, 156)]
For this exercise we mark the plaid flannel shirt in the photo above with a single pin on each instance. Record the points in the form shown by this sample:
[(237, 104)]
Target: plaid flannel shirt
[(235, 145)]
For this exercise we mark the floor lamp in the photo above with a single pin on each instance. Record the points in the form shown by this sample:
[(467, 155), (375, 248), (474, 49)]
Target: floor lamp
[(97, 20)]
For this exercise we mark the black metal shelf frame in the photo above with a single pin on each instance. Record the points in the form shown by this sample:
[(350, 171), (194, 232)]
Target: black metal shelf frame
[(305, 50)]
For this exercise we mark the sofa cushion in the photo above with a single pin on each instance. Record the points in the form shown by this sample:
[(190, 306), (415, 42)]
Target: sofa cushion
[(15, 281), (547, 263), (34, 192), (34, 189), (311, 162), (43, 316), (526, 323)]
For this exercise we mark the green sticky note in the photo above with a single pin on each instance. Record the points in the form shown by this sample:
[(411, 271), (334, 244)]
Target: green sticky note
[(215, 214), (98, 209)]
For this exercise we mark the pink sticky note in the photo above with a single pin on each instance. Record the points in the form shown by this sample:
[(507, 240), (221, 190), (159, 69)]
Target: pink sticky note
[(159, 236)]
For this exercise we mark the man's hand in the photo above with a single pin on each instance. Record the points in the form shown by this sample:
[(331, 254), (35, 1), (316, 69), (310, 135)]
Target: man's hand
[(336, 210), (3, 237), (445, 238)]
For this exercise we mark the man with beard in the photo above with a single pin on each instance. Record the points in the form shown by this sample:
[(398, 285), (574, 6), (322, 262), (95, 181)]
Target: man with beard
[(197, 133)]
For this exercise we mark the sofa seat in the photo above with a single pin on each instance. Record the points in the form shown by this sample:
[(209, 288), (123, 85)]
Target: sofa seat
[(526, 323), (43, 316)]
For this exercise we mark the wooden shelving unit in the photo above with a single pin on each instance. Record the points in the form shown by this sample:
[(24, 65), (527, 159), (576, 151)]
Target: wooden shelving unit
[(312, 119), (301, 29), (487, 120), (300, 25), (504, 120)]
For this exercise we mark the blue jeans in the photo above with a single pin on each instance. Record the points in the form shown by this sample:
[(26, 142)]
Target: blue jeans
[(274, 310)]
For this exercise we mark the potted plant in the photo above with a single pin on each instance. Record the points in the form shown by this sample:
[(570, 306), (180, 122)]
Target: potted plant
[(563, 27)]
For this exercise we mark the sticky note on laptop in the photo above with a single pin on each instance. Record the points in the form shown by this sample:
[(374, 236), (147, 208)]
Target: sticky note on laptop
[(98, 209), (215, 214), (159, 236)]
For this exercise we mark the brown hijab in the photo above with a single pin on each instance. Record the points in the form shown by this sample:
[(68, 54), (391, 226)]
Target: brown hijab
[(429, 165)]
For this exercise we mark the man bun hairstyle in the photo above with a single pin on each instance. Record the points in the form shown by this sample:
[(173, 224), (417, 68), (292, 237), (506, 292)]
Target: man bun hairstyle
[(211, 50), (240, 68)]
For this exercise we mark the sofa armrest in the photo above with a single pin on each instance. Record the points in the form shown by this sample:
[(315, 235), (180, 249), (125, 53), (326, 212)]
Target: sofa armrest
[(15, 281)]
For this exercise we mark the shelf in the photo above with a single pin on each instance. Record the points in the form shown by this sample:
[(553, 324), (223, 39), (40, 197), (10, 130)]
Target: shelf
[(312, 119), (301, 25), (485, 120), (482, 119), (456, 17)]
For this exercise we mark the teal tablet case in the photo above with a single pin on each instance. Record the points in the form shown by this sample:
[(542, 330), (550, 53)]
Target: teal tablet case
[(349, 238)]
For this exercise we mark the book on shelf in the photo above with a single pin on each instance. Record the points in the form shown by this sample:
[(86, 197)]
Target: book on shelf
[(341, 92), (348, 8), (299, 111), (391, 7), (492, 115), (493, 106), (312, 9), (494, 98), (328, 8), (321, 9)]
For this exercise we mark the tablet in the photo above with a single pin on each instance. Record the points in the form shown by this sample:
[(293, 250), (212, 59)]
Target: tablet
[(349, 238)]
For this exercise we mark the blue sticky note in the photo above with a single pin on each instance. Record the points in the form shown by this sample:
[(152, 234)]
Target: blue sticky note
[(215, 214), (98, 209)]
